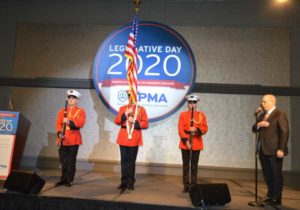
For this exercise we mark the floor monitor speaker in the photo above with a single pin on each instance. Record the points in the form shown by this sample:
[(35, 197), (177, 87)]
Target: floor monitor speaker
[(210, 195), (24, 182)]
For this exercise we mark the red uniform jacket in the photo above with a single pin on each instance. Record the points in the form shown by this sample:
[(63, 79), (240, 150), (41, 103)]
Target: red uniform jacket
[(76, 117), (141, 123), (184, 127)]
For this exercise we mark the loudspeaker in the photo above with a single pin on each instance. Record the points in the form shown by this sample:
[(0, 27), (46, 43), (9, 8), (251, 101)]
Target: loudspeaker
[(24, 182), (210, 194)]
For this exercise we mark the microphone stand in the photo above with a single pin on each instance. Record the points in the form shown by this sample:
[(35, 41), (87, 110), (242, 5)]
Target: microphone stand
[(256, 203)]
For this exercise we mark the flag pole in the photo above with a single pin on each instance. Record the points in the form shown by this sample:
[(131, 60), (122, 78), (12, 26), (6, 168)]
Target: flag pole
[(131, 54), (137, 10)]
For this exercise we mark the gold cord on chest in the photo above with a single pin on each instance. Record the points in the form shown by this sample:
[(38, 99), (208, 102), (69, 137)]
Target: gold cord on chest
[(198, 121)]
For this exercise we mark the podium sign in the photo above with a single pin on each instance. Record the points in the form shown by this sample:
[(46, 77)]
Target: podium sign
[(8, 129)]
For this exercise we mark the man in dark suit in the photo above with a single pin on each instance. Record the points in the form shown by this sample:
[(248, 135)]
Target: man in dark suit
[(273, 133)]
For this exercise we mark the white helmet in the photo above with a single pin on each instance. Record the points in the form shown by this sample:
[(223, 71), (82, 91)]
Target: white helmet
[(192, 98), (74, 93)]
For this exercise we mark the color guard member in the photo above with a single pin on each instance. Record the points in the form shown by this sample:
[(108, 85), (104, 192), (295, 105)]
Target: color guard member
[(192, 126), (132, 119), (74, 120)]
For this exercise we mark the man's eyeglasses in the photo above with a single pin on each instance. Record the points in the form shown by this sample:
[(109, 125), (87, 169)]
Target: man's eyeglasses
[(192, 102)]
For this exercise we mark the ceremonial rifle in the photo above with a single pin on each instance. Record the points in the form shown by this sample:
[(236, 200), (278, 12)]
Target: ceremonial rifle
[(62, 134)]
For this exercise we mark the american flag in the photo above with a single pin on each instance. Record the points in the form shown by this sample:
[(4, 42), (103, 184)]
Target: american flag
[(131, 54)]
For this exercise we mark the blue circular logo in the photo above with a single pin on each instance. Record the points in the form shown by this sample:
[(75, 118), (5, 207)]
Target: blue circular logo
[(166, 69), (122, 96)]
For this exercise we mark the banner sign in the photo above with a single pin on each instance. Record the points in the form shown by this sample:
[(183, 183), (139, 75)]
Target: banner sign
[(166, 69), (8, 129)]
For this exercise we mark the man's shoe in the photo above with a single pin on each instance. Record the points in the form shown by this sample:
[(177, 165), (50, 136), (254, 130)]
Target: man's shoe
[(273, 202), (130, 187), (60, 182), (69, 184)]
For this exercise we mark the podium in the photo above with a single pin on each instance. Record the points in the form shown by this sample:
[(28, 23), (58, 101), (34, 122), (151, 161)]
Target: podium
[(14, 128)]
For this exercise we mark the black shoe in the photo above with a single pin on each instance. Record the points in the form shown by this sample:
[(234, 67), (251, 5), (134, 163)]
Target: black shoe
[(69, 184), (130, 187), (273, 202), (122, 186), (60, 182)]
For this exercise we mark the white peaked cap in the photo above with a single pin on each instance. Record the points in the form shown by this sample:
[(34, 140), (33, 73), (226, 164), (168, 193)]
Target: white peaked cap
[(192, 98), (74, 93)]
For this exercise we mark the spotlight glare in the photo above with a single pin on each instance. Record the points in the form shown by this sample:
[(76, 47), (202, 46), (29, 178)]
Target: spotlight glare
[(282, 1)]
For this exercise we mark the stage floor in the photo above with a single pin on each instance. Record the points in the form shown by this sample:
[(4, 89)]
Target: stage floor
[(155, 189)]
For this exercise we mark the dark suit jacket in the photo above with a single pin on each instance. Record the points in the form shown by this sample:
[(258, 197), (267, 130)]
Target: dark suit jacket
[(274, 137)]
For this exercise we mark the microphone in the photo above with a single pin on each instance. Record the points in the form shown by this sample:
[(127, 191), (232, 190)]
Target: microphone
[(259, 109)]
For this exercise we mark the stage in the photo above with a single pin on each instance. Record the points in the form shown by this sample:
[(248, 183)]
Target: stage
[(98, 190)]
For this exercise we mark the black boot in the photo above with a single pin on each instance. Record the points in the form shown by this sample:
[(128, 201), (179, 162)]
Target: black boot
[(186, 190), (130, 187), (60, 182), (122, 186)]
